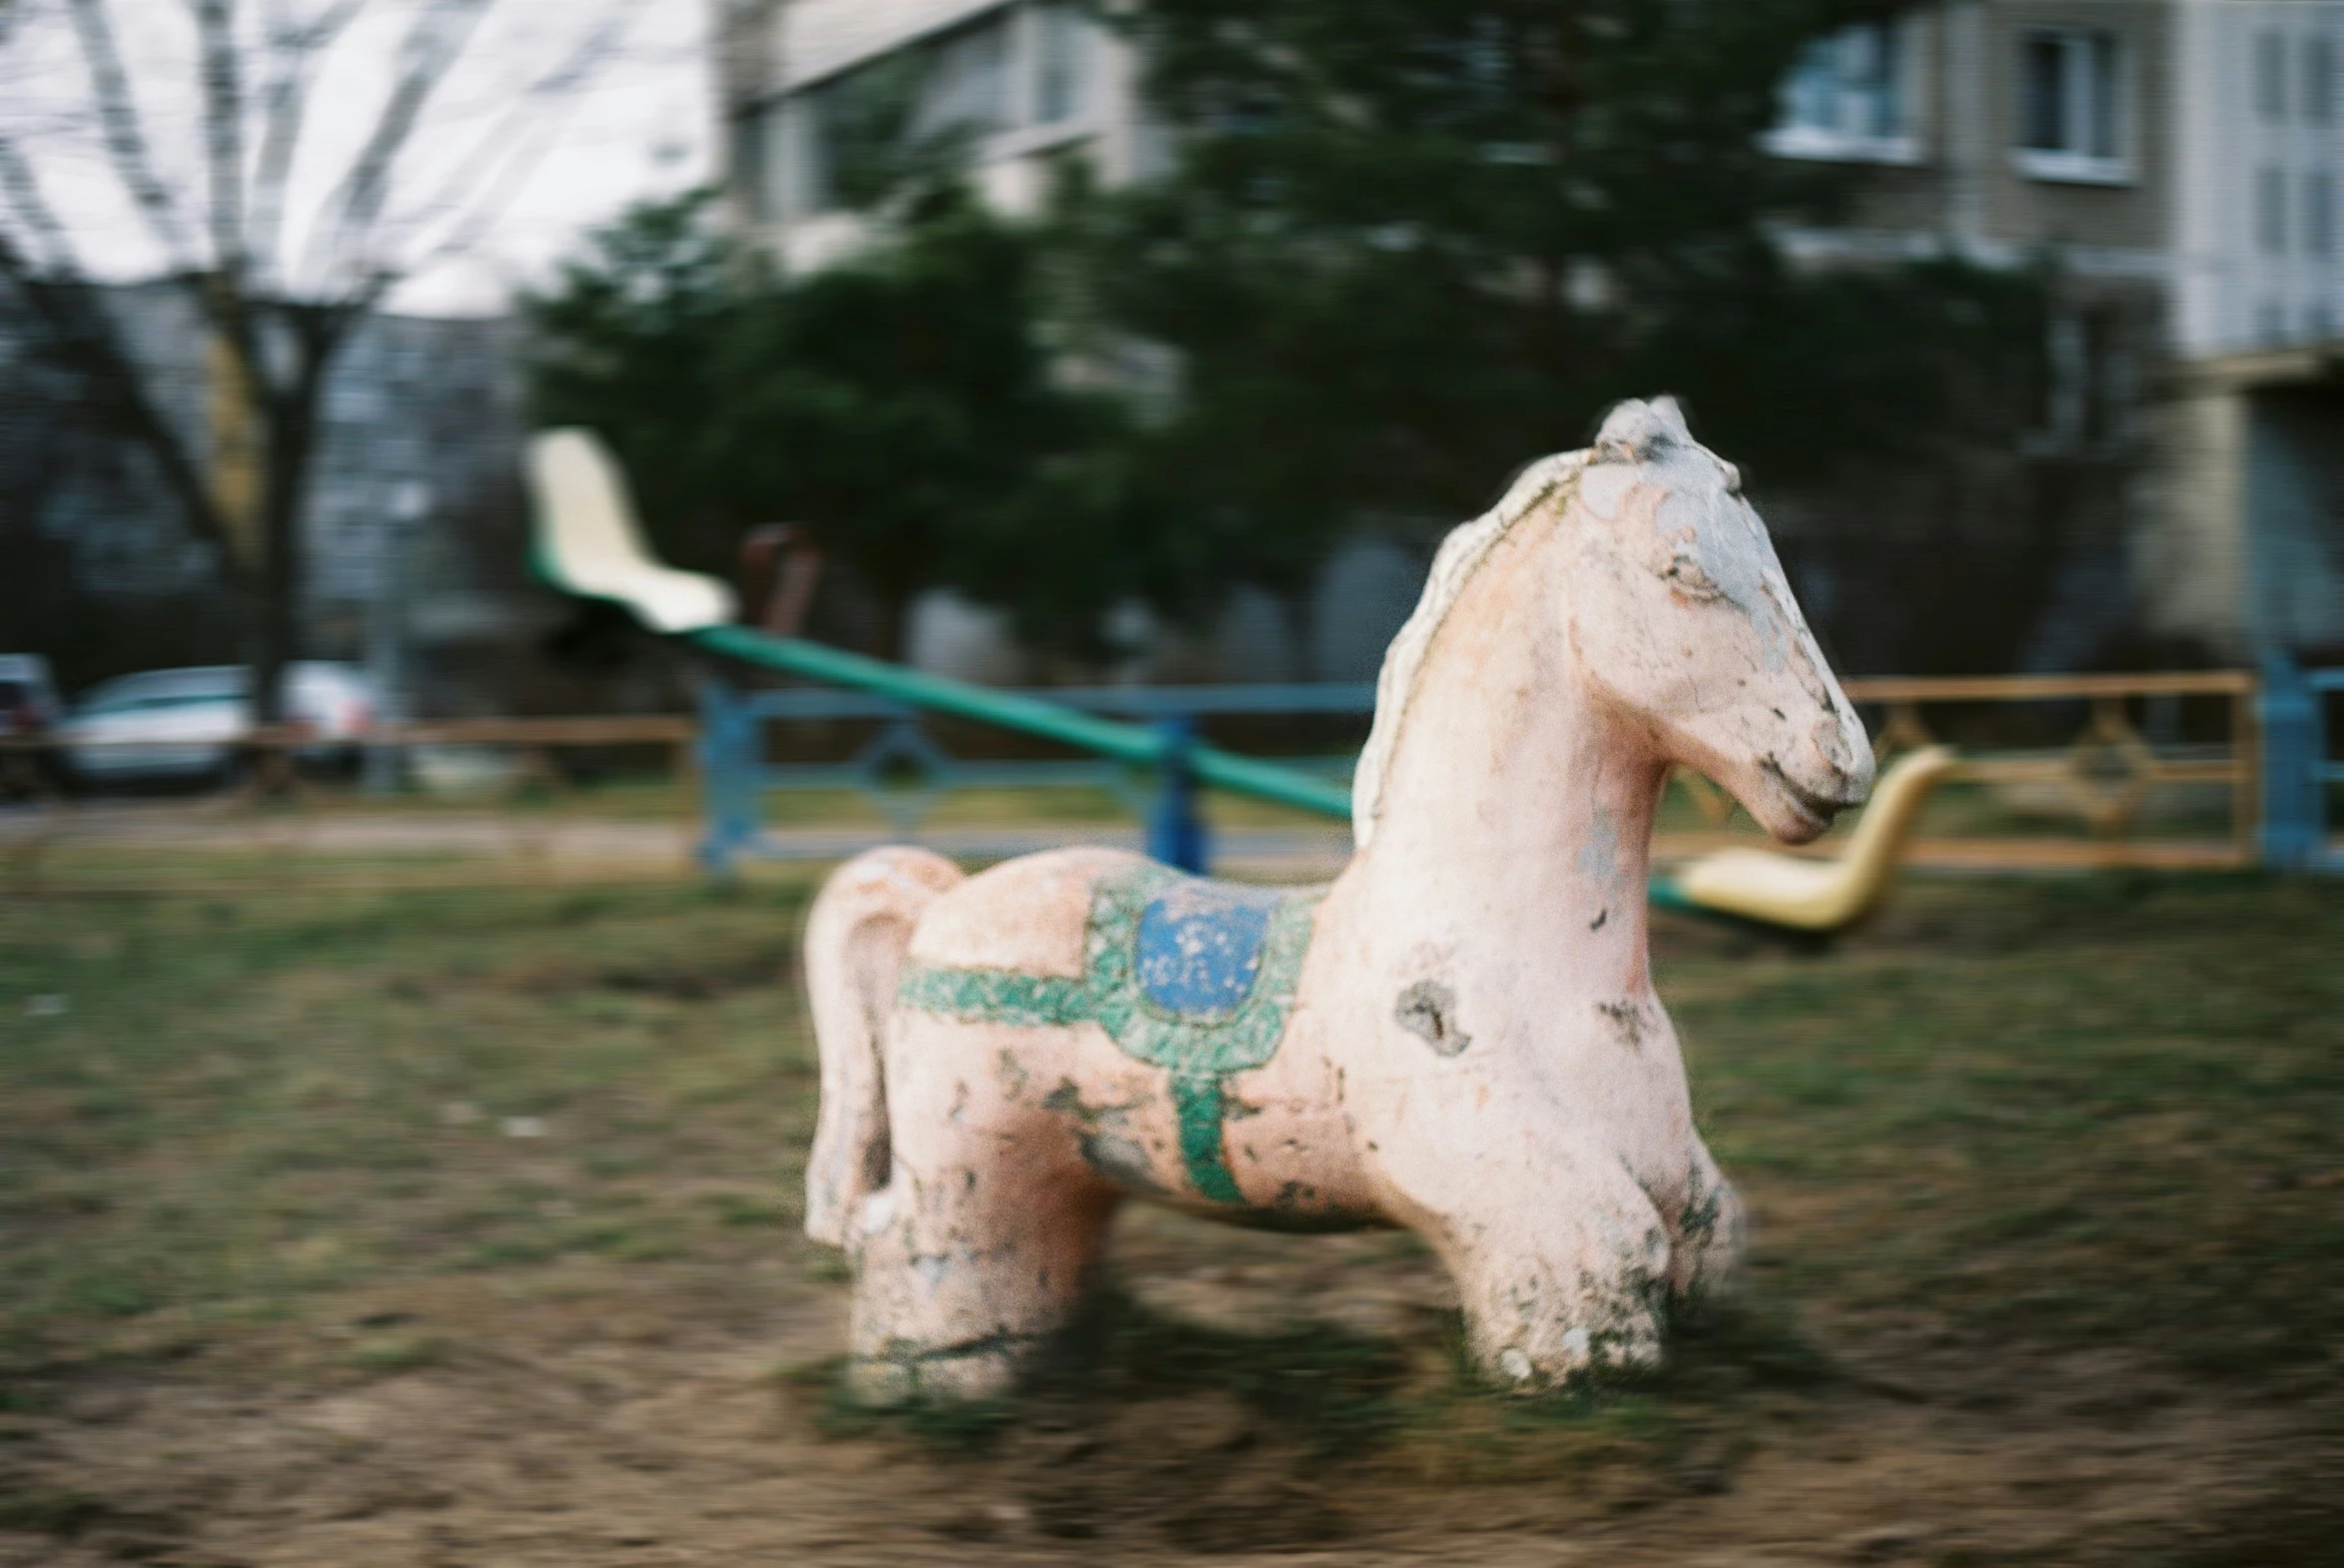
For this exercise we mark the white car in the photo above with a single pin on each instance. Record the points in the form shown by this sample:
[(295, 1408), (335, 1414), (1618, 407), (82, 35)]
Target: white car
[(185, 723)]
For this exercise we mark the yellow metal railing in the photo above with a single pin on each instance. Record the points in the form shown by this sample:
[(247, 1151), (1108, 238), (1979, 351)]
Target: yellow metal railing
[(2100, 784)]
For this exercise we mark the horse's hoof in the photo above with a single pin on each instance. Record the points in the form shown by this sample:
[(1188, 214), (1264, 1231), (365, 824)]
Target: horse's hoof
[(955, 1377)]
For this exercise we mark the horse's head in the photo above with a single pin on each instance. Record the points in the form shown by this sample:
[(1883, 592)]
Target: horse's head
[(1681, 616)]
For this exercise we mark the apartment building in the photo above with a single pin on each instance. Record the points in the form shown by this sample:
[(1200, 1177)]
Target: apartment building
[(1029, 83), (2178, 162)]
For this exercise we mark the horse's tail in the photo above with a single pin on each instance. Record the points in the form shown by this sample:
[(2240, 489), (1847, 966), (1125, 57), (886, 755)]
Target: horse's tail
[(856, 936)]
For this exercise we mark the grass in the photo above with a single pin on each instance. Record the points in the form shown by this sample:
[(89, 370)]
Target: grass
[(2106, 1112), (2019, 1121), (247, 1103), (2064, 1110)]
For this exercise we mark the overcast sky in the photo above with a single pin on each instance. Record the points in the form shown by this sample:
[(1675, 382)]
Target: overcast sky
[(563, 161)]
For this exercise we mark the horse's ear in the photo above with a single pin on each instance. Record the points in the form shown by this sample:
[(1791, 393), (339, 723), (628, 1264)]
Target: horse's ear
[(1636, 431)]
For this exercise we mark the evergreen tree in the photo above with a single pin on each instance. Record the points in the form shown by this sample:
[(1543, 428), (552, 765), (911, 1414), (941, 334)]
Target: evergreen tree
[(900, 406), (1408, 244)]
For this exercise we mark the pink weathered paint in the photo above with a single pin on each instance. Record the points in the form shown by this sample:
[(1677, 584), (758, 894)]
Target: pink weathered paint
[(1474, 1048)]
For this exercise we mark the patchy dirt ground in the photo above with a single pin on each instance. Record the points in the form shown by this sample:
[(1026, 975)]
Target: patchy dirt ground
[(460, 1232)]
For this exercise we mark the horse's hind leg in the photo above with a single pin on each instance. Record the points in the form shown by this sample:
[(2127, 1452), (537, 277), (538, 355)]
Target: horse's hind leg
[(967, 1266)]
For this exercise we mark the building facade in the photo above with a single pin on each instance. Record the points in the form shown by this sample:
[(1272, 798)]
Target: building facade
[(1026, 84), (2178, 164)]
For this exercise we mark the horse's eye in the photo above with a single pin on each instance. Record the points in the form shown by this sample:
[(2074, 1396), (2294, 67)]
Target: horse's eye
[(1686, 576)]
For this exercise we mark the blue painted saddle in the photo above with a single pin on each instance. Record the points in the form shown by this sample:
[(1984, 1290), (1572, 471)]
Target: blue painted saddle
[(1189, 975)]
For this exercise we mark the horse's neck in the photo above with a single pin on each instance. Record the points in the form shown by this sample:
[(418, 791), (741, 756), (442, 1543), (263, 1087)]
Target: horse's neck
[(1516, 818)]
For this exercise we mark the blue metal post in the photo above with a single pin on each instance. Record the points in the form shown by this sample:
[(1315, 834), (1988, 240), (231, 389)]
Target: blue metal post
[(1175, 834), (2288, 710), (731, 776)]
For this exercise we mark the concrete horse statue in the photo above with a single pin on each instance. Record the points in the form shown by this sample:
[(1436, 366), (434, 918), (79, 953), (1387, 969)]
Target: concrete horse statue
[(1458, 1036)]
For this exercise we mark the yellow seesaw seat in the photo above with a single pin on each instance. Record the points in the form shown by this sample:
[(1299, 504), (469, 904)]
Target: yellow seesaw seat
[(589, 544), (1821, 895)]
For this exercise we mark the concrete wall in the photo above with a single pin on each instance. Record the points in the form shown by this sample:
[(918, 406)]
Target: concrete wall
[(2231, 291), (2190, 564), (2242, 547)]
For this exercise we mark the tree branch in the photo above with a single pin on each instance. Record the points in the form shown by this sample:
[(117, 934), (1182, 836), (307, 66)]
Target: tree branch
[(56, 256), (223, 84), (284, 108), (431, 45), (510, 150), (80, 336), (125, 134)]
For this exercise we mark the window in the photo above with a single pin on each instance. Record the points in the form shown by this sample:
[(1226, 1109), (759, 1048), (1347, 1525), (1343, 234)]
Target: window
[(2270, 75), (2070, 106), (839, 130), (749, 177), (2319, 80), (1845, 98), (2270, 211), (967, 79), (1062, 52), (853, 136), (2319, 214)]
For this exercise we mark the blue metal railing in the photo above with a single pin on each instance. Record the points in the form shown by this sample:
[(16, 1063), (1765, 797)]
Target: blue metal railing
[(2297, 771), (903, 769)]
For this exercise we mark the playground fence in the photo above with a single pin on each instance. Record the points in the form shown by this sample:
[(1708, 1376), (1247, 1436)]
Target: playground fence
[(2191, 770)]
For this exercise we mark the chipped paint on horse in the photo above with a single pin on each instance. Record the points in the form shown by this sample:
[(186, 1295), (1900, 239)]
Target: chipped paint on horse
[(1458, 1036)]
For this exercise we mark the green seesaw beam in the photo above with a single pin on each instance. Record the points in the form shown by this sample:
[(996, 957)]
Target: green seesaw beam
[(587, 545), (1131, 744)]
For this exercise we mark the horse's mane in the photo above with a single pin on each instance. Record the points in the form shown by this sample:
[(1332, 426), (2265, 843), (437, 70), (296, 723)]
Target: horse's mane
[(1461, 554)]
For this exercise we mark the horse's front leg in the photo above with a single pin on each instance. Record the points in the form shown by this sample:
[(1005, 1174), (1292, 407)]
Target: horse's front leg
[(1711, 1233), (1562, 1265)]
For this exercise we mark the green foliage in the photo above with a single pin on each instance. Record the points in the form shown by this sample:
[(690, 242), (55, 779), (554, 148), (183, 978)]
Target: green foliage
[(1409, 244), (627, 345), (1405, 247), (900, 406)]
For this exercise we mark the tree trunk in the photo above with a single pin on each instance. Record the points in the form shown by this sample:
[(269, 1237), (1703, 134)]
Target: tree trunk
[(291, 424), (1302, 606), (275, 628)]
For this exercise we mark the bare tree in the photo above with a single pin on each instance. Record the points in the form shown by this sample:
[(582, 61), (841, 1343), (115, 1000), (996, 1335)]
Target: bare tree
[(280, 227)]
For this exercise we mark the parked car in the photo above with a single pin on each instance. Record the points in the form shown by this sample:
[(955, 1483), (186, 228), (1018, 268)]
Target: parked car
[(28, 698), (186, 724)]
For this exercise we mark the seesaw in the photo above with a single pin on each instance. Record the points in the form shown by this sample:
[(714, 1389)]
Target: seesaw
[(1787, 893), (588, 544)]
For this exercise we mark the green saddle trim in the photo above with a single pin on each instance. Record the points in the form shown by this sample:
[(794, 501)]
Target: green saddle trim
[(1197, 1052)]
